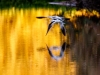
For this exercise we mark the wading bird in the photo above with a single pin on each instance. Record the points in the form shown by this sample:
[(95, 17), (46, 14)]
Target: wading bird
[(56, 19)]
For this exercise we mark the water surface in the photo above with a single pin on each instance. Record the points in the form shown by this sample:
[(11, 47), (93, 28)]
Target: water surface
[(23, 41)]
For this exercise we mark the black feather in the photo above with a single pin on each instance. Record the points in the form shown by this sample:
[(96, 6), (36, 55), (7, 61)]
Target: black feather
[(50, 25), (67, 18), (63, 30), (49, 51)]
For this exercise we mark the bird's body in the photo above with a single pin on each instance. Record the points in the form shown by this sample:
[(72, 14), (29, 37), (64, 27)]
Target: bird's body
[(56, 19)]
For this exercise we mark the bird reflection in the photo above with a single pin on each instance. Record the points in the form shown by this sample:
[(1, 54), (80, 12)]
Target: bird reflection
[(56, 19), (62, 49)]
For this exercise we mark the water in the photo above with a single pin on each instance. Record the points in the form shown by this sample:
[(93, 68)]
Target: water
[(23, 41)]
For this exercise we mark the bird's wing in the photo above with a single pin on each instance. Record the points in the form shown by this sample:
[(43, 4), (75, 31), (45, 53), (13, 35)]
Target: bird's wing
[(63, 29), (67, 18), (63, 47), (50, 25), (49, 51)]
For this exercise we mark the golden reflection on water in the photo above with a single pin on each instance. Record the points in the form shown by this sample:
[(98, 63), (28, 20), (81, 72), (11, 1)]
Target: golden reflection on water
[(23, 42)]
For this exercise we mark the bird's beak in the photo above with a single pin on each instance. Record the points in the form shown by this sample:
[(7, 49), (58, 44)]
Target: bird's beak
[(41, 17)]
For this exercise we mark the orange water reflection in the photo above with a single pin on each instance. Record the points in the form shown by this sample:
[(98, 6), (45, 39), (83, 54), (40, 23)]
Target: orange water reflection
[(23, 42)]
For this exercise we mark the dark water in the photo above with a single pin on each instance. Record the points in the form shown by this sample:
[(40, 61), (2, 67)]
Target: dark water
[(24, 44), (85, 45)]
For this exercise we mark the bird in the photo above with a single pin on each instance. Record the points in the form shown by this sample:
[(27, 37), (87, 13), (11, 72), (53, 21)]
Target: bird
[(56, 19), (63, 47)]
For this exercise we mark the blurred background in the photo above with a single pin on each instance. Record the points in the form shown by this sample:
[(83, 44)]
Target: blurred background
[(23, 39)]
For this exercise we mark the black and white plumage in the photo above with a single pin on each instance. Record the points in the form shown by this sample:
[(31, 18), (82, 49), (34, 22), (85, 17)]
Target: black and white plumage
[(56, 19), (60, 20), (62, 49)]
